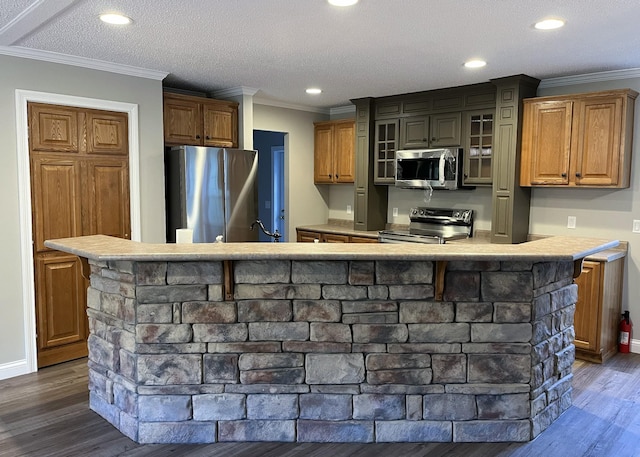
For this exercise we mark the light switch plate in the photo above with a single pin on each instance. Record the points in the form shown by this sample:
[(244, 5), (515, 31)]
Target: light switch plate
[(571, 222), (636, 226), (348, 209), (395, 212)]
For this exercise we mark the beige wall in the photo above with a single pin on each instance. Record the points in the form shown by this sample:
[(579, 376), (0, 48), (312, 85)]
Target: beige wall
[(32, 75), (305, 202)]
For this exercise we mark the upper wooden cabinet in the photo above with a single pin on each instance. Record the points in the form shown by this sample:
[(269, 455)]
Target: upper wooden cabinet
[(581, 140), (438, 130), (200, 121), (334, 159)]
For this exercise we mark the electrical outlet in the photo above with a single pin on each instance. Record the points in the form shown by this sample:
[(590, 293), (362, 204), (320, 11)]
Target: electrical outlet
[(348, 209), (571, 222), (636, 226), (395, 212)]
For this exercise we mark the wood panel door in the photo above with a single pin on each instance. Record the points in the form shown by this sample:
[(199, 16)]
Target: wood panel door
[(344, 155), (79, 186), (587, 314), (220, 124), (323, 153)]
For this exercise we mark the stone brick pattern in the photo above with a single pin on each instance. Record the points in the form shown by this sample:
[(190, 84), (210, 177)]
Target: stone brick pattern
[(335, 351)]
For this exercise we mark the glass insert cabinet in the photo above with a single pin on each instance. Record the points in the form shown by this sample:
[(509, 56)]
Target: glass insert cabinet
[(386, 144), (479, 147)]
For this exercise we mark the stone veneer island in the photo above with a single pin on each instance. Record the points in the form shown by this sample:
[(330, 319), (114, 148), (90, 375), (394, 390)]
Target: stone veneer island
[(330, 343)]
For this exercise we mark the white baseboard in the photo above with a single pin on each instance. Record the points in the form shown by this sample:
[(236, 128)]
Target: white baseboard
[(18, 368), (635, 346)]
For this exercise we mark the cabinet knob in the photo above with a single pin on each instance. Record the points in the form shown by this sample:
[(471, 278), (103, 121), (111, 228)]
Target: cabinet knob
[(197, 137), (337, 177), (208, 137), (433, 139), (424, 139), (578, 175), (564, 175), (329, 176)]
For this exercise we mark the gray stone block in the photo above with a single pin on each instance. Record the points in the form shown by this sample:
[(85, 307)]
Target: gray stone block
[(392, 361), (112, 304), (261, 361), (439, 333), (474, 312), (93, 298), (264, 311), (414, 407), (278, 291), (205, 312), (426, 312), (371, 318), (188, 432), (194, 273), (278, 331), (340, 389), (512, 312), (113, 286), (316, 310), (377, 292), (491, 431), (273, 376), (108, 411), (160, 370), (496, 348), (272, 407), (102, 352), (404, 431), (220, 333), (173, 348), (544, 273), (505, 286), (369, 306), (380, 333), (155, 314), (315, 346), (411, 292), (241, 348), (424, 348), (330, 332), (409, 376), (515, 406), (215, 407), (500, 368), (565, 358), (128, 426), (462, 286), (326, 407), (151, 273), (344, 292), (164, 408), (334, 368), (404, 272), (125, 399), (361, 273), (475, 265), (163, 333), (312, 431), (257, 430), (262, 271), (170, 294), (367, 348), (379, 407), (449, 407), (220, 368), (501, 333), (562, 297), (270, 389), (449, 368), (320, 272)]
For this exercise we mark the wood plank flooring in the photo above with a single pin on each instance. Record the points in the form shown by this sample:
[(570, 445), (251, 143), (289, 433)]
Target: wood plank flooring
[(47, 414)]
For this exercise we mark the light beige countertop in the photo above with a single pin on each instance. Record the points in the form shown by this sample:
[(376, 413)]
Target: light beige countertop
[(557, 248)]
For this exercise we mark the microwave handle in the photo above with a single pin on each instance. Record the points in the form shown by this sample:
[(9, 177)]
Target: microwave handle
[(441, 174)]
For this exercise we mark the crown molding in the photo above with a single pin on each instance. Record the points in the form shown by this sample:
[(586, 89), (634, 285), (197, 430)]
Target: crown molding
[(235, 91), (346, 109), (630, 73), (277, 104), (93, 64)]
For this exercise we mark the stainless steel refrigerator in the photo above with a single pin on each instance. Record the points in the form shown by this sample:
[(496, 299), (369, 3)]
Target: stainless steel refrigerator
[(212, 191)]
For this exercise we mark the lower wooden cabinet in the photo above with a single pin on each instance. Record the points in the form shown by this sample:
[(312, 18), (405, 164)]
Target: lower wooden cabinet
[(309, 236), (598, 309)]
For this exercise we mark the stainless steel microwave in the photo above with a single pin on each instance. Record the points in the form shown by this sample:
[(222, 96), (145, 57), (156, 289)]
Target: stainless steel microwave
[(429, 168)]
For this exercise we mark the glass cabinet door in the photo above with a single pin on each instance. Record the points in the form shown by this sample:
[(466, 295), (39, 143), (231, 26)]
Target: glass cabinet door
[(386, 143), (479, 147)]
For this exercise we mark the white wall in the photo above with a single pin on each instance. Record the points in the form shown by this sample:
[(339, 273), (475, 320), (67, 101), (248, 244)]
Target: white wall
[(305, 202), (26, 74), (599, 213)]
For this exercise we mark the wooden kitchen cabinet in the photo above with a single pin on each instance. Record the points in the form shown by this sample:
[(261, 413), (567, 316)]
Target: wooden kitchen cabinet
[(478, 147), (309, 236), (200, 121), (598, 309), (435, 131), (385, 147), (334, 158), (581, 140)]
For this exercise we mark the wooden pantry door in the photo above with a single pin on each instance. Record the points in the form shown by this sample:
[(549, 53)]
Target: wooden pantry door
[(79, 186)]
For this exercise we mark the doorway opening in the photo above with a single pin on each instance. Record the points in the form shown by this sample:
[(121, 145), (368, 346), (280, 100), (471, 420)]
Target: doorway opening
[(271, 181)]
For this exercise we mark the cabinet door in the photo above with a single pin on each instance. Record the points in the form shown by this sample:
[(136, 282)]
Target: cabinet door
[(53, 128), (597, 129), (386, 143), (546, 143), (220, 124), (304, 236), (334, 238), (414, 132), (478, 147), (182, 121), (107, 133), (344, 161), (323, 153), (588, 308), (363, 239), (445, 130)]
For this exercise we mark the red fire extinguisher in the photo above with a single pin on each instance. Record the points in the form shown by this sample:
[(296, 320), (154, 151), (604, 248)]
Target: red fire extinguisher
[(626, 326)]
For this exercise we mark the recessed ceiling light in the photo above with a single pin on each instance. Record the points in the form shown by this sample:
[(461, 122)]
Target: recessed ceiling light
[(549, 24), (342, 2), (475, 63), (115, 18), (314, 91)]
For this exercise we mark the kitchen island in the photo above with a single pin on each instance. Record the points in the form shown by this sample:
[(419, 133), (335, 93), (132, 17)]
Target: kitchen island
[(196, 343)]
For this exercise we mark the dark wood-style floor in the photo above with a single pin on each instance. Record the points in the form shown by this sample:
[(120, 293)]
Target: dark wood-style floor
[(47, 414)]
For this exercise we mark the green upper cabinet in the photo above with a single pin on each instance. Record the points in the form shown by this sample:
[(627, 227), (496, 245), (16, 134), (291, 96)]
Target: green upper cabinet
[(478, 147), (385, 146), (435, 131)]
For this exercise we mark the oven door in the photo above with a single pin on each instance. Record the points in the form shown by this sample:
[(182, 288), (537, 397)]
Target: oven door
[(397, 237)]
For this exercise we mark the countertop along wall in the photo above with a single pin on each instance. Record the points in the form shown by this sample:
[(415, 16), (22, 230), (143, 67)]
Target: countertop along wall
[(39, 76)]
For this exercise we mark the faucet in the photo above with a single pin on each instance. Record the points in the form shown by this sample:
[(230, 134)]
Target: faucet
[(275, 235)]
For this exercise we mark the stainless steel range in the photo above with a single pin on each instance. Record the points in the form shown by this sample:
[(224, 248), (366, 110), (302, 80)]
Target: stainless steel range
[(432, 226)]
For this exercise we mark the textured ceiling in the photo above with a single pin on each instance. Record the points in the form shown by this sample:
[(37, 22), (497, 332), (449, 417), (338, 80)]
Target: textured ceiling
[(376, 48)]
